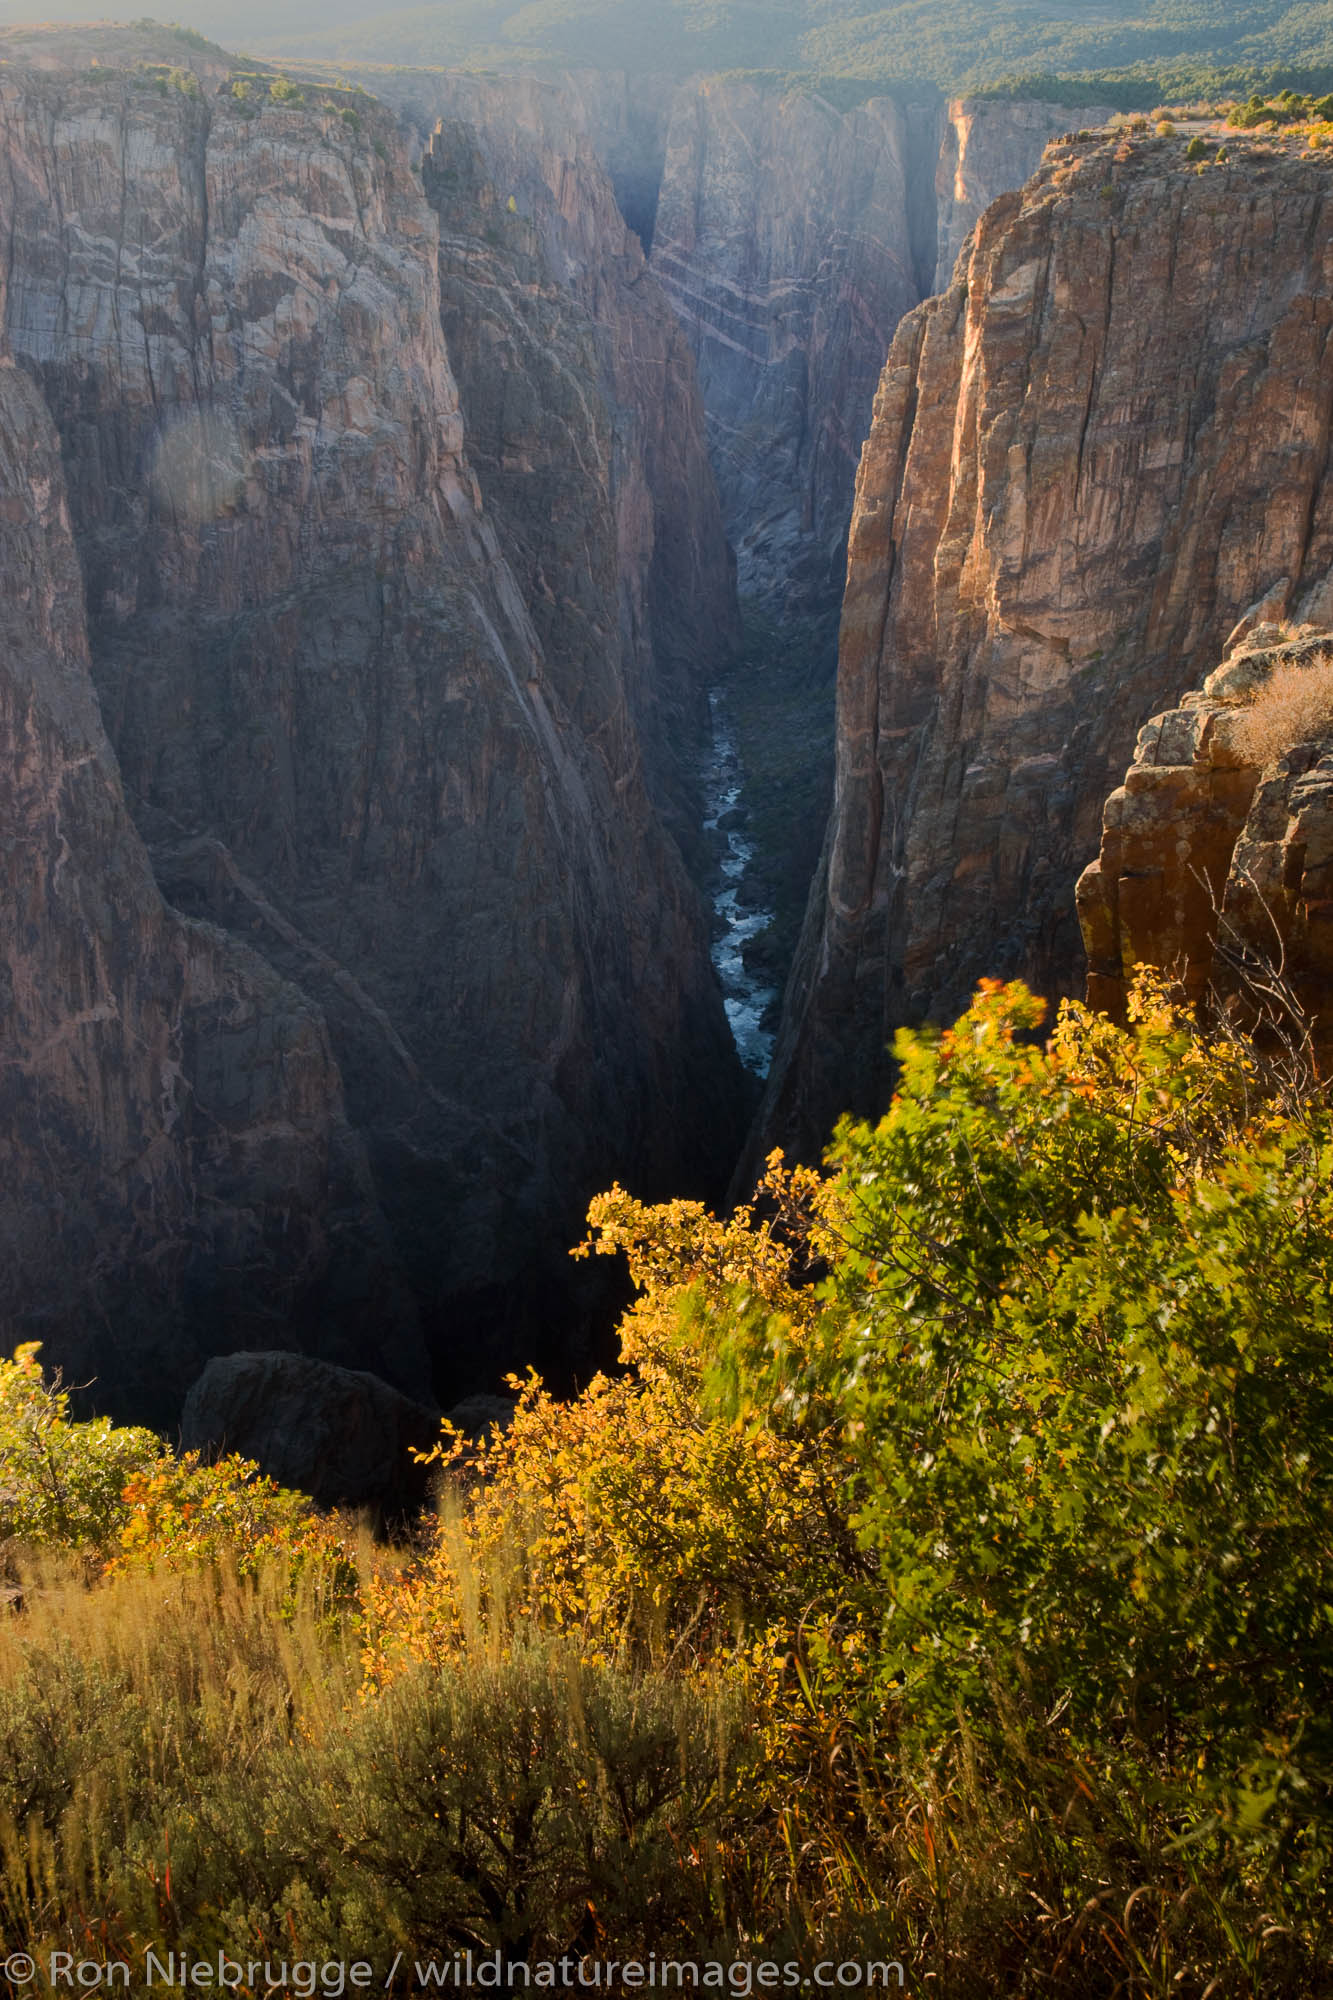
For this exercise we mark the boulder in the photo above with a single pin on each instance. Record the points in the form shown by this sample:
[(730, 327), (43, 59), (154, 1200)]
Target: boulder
[(338, 1434)]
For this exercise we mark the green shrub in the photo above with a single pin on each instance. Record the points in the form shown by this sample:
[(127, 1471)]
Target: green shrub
[(62, 1481), (1076, 1336)]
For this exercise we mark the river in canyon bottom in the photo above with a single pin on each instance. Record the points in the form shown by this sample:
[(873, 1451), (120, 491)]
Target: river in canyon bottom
[(736, 920)]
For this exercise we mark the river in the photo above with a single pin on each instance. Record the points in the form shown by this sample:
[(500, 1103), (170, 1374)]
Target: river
[(735, 921)]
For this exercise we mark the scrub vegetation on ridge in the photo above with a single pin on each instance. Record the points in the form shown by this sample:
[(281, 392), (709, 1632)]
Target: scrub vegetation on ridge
[(946, 1577)]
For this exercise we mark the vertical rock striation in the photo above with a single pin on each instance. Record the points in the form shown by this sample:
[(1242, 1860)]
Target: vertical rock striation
[(1104, 443), (337, 722), (583, 419), (783, 241), (178, 1172)]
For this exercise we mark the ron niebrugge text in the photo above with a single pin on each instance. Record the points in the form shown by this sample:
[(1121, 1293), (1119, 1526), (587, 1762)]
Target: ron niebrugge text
[(309, 1979)]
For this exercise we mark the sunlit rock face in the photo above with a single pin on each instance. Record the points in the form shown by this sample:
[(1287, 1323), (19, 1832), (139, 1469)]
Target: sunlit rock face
[(1216, 857), (339, 727), (988, 147), (1107, 440)]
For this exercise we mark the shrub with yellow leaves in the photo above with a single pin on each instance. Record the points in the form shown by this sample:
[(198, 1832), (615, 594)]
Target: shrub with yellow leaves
[(981, 1447), (632, 1515)]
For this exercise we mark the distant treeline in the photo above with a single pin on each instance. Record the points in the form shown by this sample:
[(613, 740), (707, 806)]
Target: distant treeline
[(1134, 54), (1143, 87), (1131, 55)]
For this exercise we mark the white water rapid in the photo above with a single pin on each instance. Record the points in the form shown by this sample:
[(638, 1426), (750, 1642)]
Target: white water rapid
[(735, 923)]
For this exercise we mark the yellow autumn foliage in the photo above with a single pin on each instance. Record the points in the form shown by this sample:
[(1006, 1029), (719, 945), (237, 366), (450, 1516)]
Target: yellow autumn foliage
[(632, 1517)]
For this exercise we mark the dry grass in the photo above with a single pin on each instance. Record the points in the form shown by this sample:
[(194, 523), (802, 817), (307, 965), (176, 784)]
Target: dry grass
[(1295, 705)]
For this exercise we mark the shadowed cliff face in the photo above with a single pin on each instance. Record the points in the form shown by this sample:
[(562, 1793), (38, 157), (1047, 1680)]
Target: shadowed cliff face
[(338, 724), (623, 118), (584, 421), (783, 242), (1090, 456), (178, 1172)]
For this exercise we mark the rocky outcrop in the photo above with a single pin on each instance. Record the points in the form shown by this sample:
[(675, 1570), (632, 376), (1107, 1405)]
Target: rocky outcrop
[(1104, 443), (988, 147), (1218, 869), (338, 725), (340, 1435), (178, 1171)]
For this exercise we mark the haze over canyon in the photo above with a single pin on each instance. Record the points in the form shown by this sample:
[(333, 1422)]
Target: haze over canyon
[(393, 463)]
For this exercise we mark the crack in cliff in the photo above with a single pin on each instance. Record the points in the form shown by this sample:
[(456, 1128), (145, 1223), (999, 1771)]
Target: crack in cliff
[(1319, 457), (1099, 348), (349, 987), (196, 152)]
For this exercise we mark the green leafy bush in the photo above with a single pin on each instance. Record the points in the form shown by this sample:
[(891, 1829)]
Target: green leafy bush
[(1078, 1337), (62, 1481), (120, 1493), (1063, 1409)]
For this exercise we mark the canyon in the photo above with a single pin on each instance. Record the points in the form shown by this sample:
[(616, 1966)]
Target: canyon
[(395, 467), (790, 235)]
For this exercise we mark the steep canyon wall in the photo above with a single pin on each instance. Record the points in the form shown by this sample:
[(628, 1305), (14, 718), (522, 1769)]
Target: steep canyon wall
[(782, 238), (790, 236), (1104, 443), (583, 417), (178, 1169), (349, 725)]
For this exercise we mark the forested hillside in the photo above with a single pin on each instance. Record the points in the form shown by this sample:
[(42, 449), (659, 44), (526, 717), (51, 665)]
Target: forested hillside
[(1146, 47)]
